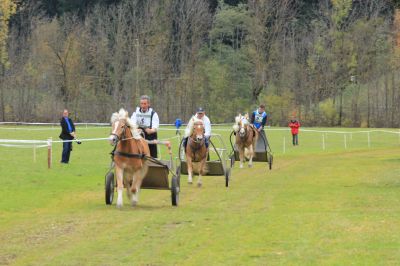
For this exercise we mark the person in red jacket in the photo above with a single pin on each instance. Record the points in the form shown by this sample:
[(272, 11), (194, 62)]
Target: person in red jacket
[(294, 126)]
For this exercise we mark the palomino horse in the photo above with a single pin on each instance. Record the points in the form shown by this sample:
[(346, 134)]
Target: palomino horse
[(246, 138), (196, 150), (129, 156)]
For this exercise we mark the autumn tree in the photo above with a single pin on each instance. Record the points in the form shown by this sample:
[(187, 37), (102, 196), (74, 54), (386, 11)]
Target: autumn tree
[(7, 9)]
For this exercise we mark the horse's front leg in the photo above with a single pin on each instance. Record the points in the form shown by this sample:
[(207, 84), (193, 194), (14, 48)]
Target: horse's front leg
[(133, 189), (120, 185), (137, 183), (190, 169), (202, 165), (251, 154), (241, 156)]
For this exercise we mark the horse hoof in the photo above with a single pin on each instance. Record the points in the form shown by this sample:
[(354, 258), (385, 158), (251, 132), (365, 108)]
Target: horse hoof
[(241, 166), (199, 184), (119, 206), (133, 203), (250, 165)]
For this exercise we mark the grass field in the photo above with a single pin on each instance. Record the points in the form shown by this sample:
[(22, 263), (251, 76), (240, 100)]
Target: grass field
[(334, 206)]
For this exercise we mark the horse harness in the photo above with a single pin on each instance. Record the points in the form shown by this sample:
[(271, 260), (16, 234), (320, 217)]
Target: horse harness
[(124, 154), (197, 147), (141, 156), (251, 126)]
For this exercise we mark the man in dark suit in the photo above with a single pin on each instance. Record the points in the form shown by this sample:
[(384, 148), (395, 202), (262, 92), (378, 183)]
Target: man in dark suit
[(67, 134)]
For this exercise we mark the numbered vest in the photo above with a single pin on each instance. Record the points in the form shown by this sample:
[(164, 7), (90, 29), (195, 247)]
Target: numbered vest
[(144, 120), (258, 118)]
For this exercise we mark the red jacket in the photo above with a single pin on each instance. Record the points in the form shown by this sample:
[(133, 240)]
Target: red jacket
[(294, 126)]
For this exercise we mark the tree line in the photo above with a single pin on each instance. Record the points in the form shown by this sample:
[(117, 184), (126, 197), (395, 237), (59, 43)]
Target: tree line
[(328, 62)]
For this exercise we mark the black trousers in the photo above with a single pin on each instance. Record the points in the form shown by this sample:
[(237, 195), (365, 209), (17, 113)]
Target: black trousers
[(67, 147), (295, 139), (153, 150), (152, 147)]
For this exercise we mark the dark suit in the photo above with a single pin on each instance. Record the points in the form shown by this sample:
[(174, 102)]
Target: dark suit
[(65, 135)]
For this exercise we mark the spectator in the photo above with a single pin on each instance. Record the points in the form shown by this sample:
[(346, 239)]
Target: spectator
[(294, 126), (178, 124), (67, 135)]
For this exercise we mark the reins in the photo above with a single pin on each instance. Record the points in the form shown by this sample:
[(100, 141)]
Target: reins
[(198, 146), (140, 156), (125, 154)]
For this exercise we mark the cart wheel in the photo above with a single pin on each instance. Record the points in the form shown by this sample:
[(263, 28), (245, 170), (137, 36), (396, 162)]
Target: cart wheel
[(227, 177), (174, 191), (232, 160), (109, 186), (178, 171), (271, 158), (178, 175)]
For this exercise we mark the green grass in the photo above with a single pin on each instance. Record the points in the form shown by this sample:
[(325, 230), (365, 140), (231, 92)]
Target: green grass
[(316, 207)]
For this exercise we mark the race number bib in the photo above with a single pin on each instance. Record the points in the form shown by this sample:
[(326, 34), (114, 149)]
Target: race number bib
[(143, 119), (258, 118)]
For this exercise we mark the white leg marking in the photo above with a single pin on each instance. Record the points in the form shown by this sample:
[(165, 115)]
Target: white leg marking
[(251, 161), (190, 178), (119, 199), (199, 182), (135, 197)]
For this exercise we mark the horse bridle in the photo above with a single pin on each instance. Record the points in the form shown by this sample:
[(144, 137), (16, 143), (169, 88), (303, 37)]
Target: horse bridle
[(245, 131), (122, 134), (124, 154), (198, 142)]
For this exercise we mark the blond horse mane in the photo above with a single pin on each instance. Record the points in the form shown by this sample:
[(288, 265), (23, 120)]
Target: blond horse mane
[(194, 120), (123, 115), (240, 121)]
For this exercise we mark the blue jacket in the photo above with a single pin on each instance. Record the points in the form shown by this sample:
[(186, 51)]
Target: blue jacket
[(258, 120), (178, 123), (64, 129)]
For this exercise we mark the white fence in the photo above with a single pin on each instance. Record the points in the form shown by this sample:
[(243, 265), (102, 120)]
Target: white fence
[(279, 138)]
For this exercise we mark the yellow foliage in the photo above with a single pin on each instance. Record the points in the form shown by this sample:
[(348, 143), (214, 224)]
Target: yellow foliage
[(7, 9), (328, 110), (341, 9)]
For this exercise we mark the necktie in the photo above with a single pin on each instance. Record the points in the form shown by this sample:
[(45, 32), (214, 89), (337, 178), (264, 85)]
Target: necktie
[(68, 124)]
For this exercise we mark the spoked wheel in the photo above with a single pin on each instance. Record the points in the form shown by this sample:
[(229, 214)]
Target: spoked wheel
[(227, 177), (109, 187), (175, 190)]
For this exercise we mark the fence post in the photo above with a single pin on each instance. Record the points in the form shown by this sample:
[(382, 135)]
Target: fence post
[(345, 141), (49, 152), (323, 141)]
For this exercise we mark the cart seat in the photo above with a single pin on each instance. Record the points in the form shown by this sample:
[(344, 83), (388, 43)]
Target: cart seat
[(213, 168), (157, 175)]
